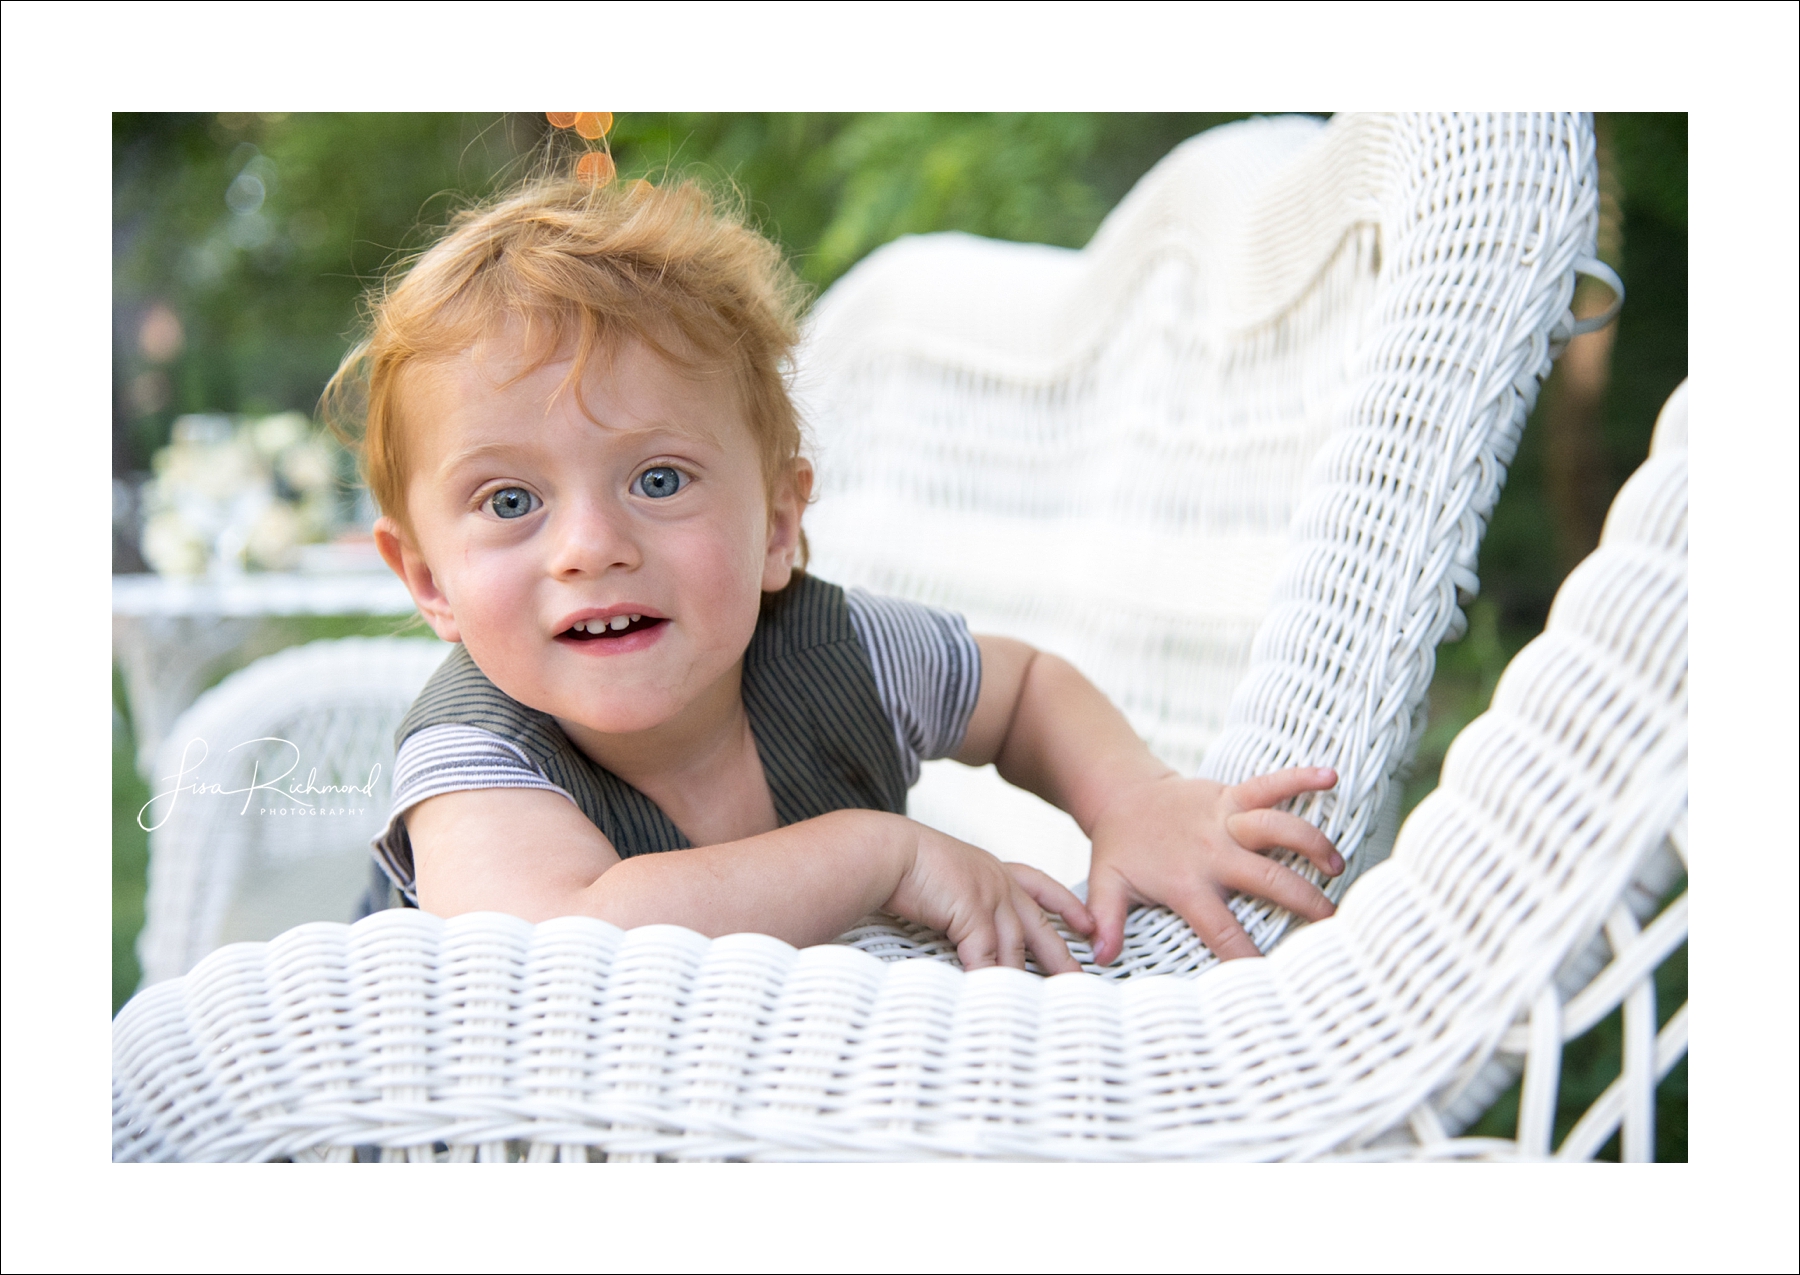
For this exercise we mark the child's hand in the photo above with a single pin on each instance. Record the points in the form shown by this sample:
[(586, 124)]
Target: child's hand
[(1190, 843), (992, 911)]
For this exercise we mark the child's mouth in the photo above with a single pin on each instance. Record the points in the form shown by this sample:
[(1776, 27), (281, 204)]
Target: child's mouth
[(616, 627)]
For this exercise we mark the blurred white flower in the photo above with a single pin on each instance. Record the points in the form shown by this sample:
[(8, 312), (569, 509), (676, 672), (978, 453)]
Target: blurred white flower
[(320, 516), (275, 434), (174, 546), (210, 471), (274, 542), (307, 466), (231, 548), (214, 504)]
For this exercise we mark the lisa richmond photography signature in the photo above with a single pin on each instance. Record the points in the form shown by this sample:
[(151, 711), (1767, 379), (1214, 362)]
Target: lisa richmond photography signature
[(276, 799)]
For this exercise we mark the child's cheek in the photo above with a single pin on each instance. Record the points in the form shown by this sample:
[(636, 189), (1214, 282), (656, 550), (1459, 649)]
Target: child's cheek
[(493, 605), (720, 573)]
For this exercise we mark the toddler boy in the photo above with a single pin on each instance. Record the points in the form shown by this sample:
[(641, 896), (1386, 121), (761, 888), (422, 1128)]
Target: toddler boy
[(576, 423)]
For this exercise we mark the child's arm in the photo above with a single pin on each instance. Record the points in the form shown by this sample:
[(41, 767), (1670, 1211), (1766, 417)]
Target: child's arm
[(1158, 838), (531, 853)]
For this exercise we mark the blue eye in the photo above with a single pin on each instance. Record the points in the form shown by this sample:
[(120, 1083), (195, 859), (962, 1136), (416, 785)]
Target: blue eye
[(512, 502), (660, 481)]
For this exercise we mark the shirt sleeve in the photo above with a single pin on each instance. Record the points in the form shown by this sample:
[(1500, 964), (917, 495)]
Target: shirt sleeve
[(441, 759), (927, 673)]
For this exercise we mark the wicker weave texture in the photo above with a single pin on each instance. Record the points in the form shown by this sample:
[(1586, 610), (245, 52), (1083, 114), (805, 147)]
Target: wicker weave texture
[(405, 1037), (1234, 459), (228, 866), (1616, 969)]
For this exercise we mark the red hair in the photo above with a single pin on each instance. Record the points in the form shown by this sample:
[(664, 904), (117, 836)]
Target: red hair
[(580, 269)]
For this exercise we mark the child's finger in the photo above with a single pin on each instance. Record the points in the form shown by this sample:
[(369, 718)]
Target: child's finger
[(980, 947), (1044, 942), (1279, 785), (1267, 879), (1217, 927), (1278, 830), (1010, 931), (1108, 899), (1053, 896)]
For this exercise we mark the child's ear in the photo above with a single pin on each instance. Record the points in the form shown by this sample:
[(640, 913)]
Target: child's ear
[(786, 506), (395, 544)]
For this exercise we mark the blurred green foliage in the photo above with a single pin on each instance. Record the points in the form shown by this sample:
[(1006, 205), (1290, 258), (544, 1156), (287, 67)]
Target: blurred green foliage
[(832, 188), (259, 233), (1522, 562), (130, 849)]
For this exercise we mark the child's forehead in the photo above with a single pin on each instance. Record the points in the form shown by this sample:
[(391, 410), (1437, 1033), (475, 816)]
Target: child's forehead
[(502, 386)]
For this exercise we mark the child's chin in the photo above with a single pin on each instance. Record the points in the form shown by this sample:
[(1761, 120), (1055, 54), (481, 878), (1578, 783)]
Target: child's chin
[(611, 717)]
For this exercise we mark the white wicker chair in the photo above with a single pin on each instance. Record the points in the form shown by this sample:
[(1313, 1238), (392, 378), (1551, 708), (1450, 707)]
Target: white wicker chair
[(1372, 1034), (1233, 459), (224, 870)]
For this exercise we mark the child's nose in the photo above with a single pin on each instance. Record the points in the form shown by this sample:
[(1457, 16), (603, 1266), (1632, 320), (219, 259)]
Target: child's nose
[(591, 537)]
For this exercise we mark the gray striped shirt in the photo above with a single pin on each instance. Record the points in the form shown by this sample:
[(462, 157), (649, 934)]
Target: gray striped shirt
[(927, 676)]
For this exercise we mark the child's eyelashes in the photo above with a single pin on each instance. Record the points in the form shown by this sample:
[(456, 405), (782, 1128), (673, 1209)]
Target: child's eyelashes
[(512, 502), (660, 481)]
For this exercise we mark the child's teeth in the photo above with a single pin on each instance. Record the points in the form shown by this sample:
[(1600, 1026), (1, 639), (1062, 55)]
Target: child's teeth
[(636, 618), (580, 626), (619, 622)]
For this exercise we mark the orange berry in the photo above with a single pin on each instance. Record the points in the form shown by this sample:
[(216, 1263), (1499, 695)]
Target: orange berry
[(596, 167), (561, 119), (594, 125)]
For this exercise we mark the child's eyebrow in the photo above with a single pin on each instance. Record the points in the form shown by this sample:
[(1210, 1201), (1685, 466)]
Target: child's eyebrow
[(480, 451), (498, 449)]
